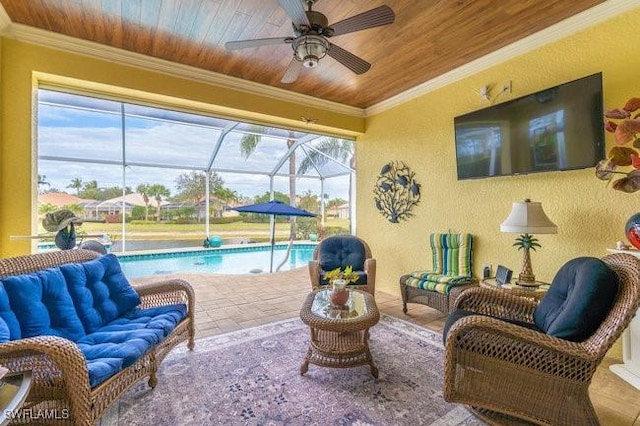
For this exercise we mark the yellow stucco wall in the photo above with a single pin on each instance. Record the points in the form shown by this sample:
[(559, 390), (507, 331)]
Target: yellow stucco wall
[(23, 66), (590, 217)]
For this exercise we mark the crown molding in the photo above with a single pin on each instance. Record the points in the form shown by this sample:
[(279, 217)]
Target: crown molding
[(567, 27), (5, 21), (66, 43)]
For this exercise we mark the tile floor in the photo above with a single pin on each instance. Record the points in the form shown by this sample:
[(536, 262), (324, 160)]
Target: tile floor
[(226, 303)]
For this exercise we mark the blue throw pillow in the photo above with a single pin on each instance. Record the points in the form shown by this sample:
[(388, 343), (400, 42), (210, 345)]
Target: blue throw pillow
[(42, 306), (579, 298), (5, 333), (100, 291), (9, 319)]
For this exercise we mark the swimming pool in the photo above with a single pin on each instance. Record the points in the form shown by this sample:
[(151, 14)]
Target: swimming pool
[(233, 260)]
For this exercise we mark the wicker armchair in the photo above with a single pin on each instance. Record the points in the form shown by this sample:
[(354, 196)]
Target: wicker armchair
[(60, 379), (451, 254), (506, 372), (341, 251)]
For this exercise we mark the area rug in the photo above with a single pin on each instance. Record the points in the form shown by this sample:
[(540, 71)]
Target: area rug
[(252, 377)]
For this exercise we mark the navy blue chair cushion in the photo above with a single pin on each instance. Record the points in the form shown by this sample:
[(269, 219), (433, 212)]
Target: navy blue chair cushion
[(461, 313), (120, 343), (579, 298), (341, 251), (100, 291), (38, 304)]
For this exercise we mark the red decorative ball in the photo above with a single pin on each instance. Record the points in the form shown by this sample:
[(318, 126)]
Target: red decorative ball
[(632, 229)]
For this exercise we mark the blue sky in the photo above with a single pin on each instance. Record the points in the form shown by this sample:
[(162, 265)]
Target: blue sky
[(85, 134)]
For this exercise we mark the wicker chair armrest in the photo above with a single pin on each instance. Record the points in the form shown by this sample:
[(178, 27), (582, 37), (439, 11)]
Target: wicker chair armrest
[(166, 292), (496, 304), (61, 351), (513, 343), (314, 274), (61, 356), (370, 270)]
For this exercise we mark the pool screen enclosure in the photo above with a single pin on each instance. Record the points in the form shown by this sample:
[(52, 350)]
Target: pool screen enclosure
[(120, 145)]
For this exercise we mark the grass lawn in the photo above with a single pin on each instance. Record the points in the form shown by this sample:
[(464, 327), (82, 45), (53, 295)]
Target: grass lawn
[(162, 231)]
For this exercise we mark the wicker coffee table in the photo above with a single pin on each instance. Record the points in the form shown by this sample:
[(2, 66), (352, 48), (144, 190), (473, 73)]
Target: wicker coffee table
[(339, 335)]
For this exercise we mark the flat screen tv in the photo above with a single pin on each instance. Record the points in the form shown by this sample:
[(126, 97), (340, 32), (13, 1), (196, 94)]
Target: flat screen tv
[(560, 128)]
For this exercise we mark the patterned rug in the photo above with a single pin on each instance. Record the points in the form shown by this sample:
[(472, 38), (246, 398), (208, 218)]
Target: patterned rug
[(252, 377)]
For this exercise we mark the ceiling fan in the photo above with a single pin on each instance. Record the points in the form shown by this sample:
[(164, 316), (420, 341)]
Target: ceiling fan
[(312, 31)]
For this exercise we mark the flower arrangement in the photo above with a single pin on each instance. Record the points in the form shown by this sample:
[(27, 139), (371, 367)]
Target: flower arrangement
[(338, 274), (625, 131)]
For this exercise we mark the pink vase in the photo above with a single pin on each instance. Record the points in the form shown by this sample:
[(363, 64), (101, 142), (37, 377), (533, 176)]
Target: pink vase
[(339, 294)]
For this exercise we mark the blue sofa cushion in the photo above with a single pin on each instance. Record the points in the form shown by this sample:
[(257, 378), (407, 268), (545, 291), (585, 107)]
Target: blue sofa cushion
[(100, 291), (38, 304), (9, 326), (120, 343), (5, 333), (341, 251), (579, 298)]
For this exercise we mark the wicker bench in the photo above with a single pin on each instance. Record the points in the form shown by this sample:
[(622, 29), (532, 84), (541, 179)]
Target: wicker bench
[(64, 386)]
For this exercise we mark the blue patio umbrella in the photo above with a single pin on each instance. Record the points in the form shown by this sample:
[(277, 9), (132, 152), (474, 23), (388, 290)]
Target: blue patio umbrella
[(273, 208)]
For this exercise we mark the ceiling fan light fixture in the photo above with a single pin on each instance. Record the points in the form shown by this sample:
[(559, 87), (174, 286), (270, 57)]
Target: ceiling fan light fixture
[(310, 49)]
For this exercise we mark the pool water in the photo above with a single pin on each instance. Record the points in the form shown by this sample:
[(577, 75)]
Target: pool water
[(237, 260)]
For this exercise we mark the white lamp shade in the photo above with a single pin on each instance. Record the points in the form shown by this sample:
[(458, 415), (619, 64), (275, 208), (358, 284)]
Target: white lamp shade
[(527, 217)]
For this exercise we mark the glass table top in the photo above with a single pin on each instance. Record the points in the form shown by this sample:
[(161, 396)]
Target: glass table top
[(353, 309)]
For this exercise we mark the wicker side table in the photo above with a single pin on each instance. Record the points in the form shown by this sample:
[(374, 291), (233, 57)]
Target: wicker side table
[(339, 336), (533, 292)]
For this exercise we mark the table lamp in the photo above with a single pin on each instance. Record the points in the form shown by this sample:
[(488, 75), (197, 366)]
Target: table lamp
[(527, 218)]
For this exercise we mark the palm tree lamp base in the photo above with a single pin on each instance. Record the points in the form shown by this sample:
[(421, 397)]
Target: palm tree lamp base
[(527, 217), (526, 277)]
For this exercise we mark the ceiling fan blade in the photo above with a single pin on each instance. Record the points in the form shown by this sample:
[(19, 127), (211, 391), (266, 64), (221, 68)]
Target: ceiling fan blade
[(348, 59), (243, 44), (377, 17), (295, 10), (292, 72)]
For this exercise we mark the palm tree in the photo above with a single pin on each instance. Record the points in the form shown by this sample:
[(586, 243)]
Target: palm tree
[(249, 143), (223, 196), (90, 190), (42, 180), (143, 189), (77, 184), (158, 191), (330, 148)]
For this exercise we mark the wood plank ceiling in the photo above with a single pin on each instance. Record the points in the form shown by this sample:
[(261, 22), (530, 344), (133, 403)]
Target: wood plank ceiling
[(427, 39)]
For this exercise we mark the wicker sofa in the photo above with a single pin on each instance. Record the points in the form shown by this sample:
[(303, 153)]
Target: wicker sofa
[(87, 335)]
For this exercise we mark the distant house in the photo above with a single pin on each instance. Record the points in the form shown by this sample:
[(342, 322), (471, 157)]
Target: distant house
[(113, 206), (60, 199), (341, 211)]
